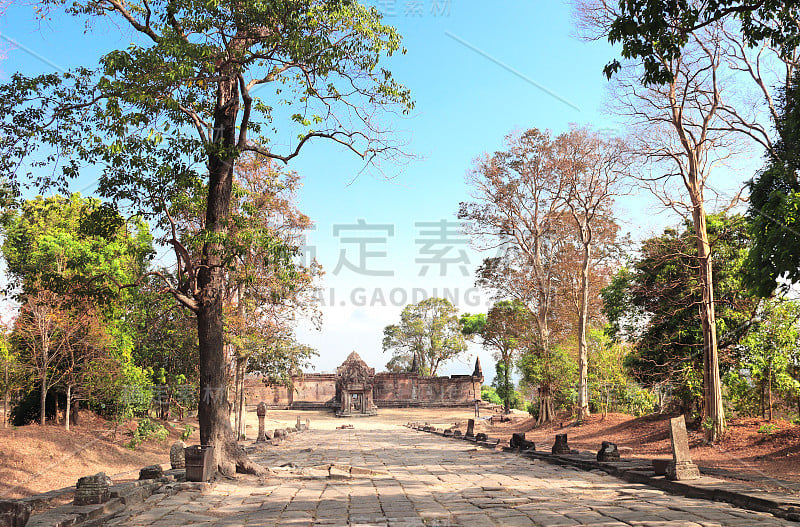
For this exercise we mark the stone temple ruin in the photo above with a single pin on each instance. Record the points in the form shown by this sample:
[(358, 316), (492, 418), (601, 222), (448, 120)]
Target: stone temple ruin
[(355, 390)]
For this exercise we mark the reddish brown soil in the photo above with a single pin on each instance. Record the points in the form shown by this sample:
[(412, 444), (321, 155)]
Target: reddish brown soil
[(743, 449), (35, 459)]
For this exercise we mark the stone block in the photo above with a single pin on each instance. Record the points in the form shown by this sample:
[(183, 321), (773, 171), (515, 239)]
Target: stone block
[(480, 436), (608, 452), (679, 439), (561, 446), (176, 455), (93, 489), (14, 513), (151, 472), (681, 467), (682, 471)]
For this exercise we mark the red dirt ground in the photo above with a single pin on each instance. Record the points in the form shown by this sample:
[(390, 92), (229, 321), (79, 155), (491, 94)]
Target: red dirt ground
[(743, 448), (35, 459)]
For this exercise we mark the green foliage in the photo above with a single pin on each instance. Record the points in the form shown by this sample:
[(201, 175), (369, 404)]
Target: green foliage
[(741, 397), (505, 389), (472, 324), (611, 387), (533, 409), (488, 393), (767, 358), (428, 335), (164, 334), (146, 430), (69, 244), (136, 113), (774, 209), (279, 359), (653, 302), (655, 31), (768, 429), (558, 370), (188, 430)]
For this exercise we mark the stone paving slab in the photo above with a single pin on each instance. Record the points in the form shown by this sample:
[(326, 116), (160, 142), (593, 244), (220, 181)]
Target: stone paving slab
[(407, 478)]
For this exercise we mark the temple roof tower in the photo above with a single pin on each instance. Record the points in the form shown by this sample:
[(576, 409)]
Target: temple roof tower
[(478, 370)]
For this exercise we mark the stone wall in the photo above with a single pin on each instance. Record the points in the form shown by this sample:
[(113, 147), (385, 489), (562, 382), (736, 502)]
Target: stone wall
[(409, 389), (391, 390)]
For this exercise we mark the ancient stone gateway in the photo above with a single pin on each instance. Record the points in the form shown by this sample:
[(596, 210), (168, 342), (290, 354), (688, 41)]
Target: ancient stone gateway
[(366, 391), (354, 388)]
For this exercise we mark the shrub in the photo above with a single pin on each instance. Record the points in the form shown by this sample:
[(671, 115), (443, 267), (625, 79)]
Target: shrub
[(147, 430), (188, 430), (768, 429), (533, 409)]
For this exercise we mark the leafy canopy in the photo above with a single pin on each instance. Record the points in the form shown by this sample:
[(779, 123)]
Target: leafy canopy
[(429, 334), (656, 31)]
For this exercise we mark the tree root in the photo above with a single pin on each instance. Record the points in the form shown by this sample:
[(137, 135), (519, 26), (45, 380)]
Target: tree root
[(234, 459)]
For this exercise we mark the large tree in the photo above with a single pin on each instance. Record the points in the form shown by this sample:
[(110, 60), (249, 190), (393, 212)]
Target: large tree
[(654, 304), (427, 336), (595, 169), (174, 111), (518, 207), (503, 330), (546, 204)]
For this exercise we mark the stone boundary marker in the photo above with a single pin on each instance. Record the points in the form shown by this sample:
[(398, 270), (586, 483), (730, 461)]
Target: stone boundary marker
[(681, 468), (782, 505)]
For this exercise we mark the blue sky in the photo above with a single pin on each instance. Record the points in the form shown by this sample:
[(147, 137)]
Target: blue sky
[(477, 71)]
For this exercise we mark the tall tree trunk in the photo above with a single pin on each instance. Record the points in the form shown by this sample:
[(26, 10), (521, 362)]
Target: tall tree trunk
[(546, 412), (507, 405), (241, 430), (712, 402), (5, 395), (236, 397), (213, 409), (769, 392), (583, 352), (43, 398), (68, 407), (74, 412)]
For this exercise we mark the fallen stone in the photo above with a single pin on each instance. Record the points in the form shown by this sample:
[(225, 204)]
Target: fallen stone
[(151, 472)]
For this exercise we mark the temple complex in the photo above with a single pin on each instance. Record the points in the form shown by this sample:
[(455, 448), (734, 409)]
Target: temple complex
[(356, 390)]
